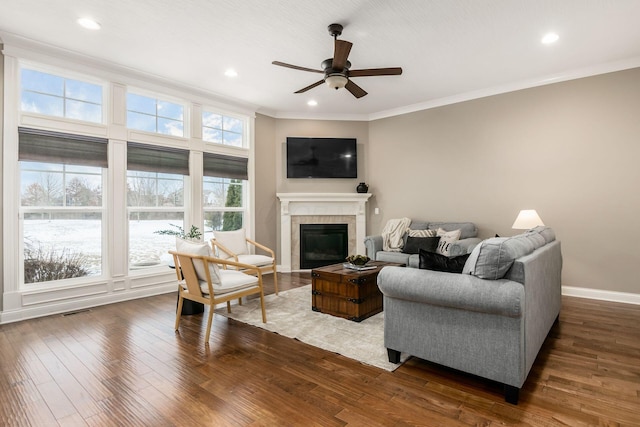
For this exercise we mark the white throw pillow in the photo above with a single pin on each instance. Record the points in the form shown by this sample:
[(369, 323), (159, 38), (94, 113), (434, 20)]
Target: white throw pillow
[(446, 239), (201, 249), (235, 241)]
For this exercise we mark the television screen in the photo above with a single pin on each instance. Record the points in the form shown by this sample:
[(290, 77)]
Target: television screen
[(321, 158)]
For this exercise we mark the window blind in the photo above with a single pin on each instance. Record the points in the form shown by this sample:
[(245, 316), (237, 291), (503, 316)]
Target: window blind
[(38, 145), (222, 166), (152, 158)]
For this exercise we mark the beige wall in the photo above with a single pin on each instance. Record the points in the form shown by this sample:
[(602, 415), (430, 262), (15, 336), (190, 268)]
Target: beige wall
[(265, 181), (568, 150)]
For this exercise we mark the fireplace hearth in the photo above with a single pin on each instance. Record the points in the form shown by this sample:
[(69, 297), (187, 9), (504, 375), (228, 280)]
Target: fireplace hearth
[(323, 244)]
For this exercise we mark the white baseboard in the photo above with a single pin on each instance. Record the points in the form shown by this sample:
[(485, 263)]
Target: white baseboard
[(599, 294), (58, 307)]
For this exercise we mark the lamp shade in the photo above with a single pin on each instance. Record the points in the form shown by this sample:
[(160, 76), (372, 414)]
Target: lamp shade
[(336, 81), (527, 219)]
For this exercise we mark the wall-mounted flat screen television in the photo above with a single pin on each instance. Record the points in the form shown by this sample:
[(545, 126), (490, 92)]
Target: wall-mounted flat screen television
[(321, 158)]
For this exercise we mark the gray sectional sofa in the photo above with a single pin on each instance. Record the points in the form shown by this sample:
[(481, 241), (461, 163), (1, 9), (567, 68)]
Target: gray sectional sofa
[(467, 241), (489, 321)]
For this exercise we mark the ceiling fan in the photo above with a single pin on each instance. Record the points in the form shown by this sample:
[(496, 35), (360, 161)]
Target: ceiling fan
[(336, 70)]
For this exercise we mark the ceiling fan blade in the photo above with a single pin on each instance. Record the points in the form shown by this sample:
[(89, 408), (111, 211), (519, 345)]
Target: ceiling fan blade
[(296, 67), (394, 71), (311, 86), (355, 90), (340, 54)]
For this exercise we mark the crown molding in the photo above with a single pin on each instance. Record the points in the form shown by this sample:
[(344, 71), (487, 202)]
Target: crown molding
[(604, 68)]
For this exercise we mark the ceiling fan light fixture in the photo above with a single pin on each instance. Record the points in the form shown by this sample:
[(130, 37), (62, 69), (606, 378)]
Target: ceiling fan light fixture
[(336, 81)]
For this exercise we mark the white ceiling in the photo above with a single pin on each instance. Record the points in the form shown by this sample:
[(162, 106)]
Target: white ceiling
[(449, 50)]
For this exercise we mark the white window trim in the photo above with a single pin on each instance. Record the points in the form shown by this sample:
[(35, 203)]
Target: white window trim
[(246, 143), (66, 74), (153, 136), (117, 284)]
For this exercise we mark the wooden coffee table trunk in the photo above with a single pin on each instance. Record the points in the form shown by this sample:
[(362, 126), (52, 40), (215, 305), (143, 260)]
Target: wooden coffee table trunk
[(347, 293)]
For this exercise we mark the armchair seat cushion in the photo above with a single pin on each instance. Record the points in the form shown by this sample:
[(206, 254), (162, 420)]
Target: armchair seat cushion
[(233, 280), (257, 260)]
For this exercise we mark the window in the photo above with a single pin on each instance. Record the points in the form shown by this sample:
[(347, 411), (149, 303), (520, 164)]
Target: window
[(61, 188), (221, 129), (155, 199), (57, 96), (224, 185), (154, 115)]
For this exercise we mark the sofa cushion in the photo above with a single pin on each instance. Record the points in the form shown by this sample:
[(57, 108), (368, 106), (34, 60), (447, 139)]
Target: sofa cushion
[(446, 239), (437, 262), (546, 232), (467, 229), (492, 258), (414, 244)]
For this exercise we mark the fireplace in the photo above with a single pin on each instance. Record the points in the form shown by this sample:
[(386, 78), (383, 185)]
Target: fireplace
[(319, 208), (323, 244)]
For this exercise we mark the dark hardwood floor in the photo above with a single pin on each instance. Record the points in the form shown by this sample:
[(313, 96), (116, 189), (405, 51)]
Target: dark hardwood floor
[(123, 365)]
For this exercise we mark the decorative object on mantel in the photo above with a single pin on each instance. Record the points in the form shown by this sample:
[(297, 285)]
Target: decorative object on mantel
[(526, 220), (357, 262), (362, 188)]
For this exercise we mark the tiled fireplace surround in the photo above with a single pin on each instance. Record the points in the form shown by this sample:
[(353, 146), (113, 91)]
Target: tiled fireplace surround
[(319, 208)]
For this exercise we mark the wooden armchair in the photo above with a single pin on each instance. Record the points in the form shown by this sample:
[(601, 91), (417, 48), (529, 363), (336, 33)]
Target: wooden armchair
[(234, 245), (217, 285)]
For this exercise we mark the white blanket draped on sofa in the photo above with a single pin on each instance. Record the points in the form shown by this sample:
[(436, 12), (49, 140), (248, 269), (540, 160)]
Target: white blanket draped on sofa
[(393, 232)]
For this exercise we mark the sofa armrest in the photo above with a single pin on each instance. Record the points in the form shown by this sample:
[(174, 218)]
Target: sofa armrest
[(373, 244), (460, 291), (463, 246)]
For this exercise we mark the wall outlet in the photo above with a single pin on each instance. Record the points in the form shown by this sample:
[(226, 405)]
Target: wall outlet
[(376, 211)]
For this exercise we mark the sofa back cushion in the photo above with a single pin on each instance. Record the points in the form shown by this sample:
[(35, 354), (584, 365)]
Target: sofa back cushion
[(467, 229), (492, 258)]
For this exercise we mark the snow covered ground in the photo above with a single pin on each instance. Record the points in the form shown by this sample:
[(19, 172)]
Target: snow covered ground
[(84, 236)]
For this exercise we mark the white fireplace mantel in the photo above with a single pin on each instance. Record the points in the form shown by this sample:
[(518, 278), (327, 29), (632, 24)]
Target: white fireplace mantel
[(320, 204)]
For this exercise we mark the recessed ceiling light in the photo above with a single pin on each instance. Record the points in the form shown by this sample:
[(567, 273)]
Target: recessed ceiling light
[(89, 24), (231, 73), (312, 103), (550, 38)]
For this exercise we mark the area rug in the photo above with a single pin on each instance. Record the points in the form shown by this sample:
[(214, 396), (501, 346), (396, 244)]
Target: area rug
[(289, 314)]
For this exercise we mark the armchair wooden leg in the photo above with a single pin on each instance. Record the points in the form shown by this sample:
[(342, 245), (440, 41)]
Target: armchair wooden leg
[(275, 278), (209, 319), (228, 306), (264, 313), (179, 311)]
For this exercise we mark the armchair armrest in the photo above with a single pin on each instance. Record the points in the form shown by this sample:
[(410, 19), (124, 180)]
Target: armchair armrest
[(223, 248), (373, 245), (238, 265), (263, 247)]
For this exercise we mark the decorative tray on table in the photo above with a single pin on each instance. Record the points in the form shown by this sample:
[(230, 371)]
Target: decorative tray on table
[(358, 263), (358, 267)]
